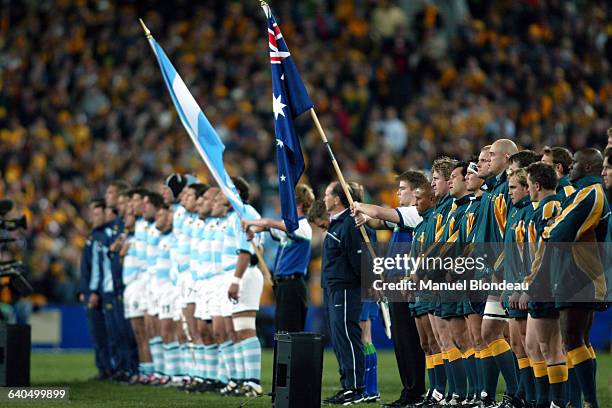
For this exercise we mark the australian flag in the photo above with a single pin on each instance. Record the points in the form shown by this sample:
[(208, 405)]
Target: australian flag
[(289, 100)]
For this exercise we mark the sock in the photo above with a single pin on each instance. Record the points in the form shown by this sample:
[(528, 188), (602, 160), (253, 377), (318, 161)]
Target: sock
[(469, 361), (192, 362), (541, 382), (584, 369), (157, 352), (573, 392), (557, 377), (520, 393), (490, 372), (450, 380), (212, 361), (455, 361), (239, 362), (594, 358), (440, 373), (373, 384), (171, 357), (500, 349), (251, 352), (227, 352), (182, 366), (526, 379), (147, 368), (431, 373), (479, 374), (222, 371), (200, 361), (368, 367)]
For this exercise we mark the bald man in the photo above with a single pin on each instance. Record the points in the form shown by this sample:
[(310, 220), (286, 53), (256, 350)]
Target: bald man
[(490, 233), (583, 219)]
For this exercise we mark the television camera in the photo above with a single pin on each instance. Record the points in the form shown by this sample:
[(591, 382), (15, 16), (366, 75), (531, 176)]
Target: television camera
[(12, 269)]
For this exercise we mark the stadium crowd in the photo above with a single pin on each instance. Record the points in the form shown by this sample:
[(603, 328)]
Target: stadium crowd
[(394, 83)]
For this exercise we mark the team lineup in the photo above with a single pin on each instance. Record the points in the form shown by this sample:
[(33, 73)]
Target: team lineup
[(172, 283)]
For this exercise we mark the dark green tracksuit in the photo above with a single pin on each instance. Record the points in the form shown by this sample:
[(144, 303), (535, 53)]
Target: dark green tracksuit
[(453, 304), (437, 223), (577, 272), (539, 287), (515, 248), (467, 231), (424, 233), (491, 224), (564, 188)]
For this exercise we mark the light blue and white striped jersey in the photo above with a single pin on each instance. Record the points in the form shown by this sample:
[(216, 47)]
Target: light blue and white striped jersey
[(183, 237), (197, 232), (235, 239), (217, 237), (204, 259), (140, 242), (163, 264), (131, 267), (178, 217), (153, 236)]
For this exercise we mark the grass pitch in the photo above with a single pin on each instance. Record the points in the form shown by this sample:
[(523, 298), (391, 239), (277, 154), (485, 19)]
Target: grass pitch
[(73, 369)]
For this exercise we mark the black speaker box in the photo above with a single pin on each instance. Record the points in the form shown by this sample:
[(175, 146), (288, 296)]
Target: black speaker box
[(298, 368), (15, 346)]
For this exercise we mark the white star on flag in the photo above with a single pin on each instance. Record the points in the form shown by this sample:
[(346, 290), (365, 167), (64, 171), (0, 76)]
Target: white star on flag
[(280, 143), (283, 77), (282, 177), (277, 107)]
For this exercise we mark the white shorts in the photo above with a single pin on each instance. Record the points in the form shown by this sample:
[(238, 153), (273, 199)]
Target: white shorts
[(178, 306), (218, 303), (167, 294), (133, 298), (189, 292), (152, 296), (250, 290), (494, 311), (202, 310)]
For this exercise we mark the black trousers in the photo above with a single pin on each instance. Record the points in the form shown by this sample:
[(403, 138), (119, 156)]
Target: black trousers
[(408, 352), (291, 305)]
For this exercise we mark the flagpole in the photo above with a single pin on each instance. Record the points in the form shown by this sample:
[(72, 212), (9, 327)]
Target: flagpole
[(383, 302), (261, 263), (341, 179)]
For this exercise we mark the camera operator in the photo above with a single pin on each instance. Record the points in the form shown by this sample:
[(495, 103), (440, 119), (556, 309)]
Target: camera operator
[(13, 285)]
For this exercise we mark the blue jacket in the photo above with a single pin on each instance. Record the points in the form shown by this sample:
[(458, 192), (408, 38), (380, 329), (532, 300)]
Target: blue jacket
[(342, 251), (91, 262), (97, 262), (85, 267)]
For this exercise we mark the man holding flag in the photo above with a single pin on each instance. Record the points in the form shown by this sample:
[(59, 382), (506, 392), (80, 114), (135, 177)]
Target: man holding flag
[(291, 264), (211, 148), (289, 100)]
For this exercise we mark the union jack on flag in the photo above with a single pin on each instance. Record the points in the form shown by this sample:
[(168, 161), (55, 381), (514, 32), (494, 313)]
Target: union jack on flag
[(288, 91)]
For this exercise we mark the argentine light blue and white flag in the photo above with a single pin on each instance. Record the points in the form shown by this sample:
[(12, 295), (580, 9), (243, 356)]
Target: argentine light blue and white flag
[(203, 135)]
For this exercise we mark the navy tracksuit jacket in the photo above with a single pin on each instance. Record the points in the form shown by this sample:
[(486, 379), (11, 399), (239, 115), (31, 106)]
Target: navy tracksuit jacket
[(341, 280)]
